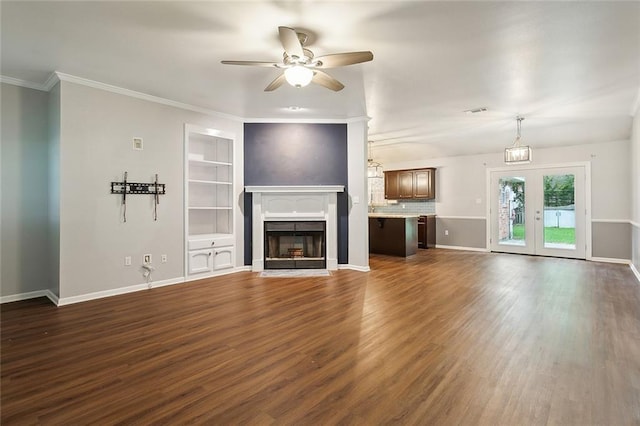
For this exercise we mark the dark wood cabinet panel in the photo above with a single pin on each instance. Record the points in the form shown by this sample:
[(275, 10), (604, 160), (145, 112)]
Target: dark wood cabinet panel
[(427, 231), (423, 184), (394, 236), (418, 184), (405, 183), (391, 185)]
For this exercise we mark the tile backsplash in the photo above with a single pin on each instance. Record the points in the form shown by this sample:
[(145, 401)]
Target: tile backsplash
[(421, 207), (378, 204)]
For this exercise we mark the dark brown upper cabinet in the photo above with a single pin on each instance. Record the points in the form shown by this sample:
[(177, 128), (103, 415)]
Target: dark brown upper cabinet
[(416, 184)]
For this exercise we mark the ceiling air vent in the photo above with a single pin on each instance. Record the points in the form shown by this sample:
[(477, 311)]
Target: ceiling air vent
[(475, 111)]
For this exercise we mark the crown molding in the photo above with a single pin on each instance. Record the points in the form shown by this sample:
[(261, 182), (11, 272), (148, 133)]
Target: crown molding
[(306, 120), (23, 83), (58, 76), (139, 95), (51, 81)]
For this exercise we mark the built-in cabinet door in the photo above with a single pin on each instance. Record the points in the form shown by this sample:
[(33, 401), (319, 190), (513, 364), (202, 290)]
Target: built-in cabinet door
[(223, 258), (391, 185), (200, 261), (422, 184), (405, 184)]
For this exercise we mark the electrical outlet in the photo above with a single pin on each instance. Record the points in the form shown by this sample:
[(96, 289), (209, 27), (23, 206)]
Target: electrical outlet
[(127, 261), (146, 259), (163, 258), (446, 232)]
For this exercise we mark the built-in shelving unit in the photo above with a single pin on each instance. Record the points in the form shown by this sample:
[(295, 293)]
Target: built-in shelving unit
[(209, 211)]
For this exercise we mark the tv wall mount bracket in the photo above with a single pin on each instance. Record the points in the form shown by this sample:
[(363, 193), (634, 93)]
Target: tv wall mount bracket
[(135, 188)]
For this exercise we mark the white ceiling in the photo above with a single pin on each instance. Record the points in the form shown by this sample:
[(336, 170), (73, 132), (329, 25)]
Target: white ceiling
[(571, 68)]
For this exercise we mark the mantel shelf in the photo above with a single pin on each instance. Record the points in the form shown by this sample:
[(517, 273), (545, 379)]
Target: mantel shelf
[(295, 189)]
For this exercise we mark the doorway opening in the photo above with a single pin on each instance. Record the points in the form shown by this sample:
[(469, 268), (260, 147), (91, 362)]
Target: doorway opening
[(539, 211)]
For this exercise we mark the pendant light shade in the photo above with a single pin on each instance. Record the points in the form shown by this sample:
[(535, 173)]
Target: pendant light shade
[(517, 153), (374, 169)]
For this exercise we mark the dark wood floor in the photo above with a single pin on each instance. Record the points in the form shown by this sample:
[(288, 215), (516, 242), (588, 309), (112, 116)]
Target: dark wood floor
[(443, 337)]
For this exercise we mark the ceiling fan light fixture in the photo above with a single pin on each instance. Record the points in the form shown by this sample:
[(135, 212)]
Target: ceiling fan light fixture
[(298, 75)]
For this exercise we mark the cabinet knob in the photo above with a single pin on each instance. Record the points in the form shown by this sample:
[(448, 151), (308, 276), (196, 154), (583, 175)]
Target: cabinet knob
[(212, 243), (209, 253)]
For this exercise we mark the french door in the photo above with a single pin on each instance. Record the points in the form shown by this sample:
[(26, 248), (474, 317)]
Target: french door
[(539, 211)]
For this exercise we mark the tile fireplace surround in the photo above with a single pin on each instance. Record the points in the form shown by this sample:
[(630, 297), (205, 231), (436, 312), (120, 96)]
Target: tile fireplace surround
[(308, 203)]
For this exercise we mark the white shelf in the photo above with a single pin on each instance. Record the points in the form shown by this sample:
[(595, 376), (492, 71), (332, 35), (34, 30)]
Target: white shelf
[(210, 208), (209, 205), (209, 162), (195, 237), (210, 182)]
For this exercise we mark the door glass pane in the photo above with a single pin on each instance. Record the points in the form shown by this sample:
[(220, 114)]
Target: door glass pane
[(511, 229), (559, 211)]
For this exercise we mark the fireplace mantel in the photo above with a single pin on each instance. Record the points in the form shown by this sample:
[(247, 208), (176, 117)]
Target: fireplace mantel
[(298, 189), (294, 202)]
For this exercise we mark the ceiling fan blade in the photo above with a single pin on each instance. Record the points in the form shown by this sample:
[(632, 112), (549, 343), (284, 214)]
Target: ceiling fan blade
[(324, 79), (279, 81), (252, 63), (290, 42), (342, 59)]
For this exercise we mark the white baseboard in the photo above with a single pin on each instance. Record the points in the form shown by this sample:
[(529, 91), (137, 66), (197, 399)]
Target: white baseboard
[(635, 271), (354, 267), (62, 301), (163, 283), (24, 296), (610, 260), (52, 297), (484, 250), (117, 291)]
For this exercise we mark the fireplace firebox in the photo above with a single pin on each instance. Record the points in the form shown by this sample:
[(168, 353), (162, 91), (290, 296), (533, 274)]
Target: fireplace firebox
[(295, 245)]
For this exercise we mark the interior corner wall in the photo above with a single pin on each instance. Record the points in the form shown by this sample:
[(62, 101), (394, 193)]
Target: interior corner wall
[(53, 187), (24, 217), (635, 191), (97, 128)]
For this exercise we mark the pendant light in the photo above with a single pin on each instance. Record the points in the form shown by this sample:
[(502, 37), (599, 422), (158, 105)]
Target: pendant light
[(374, 169), (517, 154)]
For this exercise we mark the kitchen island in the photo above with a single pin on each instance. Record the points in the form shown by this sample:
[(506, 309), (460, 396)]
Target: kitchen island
[(393, 234)]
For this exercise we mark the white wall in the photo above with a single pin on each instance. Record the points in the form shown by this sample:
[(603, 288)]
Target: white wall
[(53, 187), (635, 190), (461, 191), (24, 251), (357, 183), (461, 181), (96, 132)]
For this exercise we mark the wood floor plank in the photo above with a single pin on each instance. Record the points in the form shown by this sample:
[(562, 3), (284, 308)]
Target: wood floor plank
[(442, 337)]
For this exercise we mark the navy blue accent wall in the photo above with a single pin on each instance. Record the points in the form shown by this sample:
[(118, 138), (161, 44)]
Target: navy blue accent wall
[(297, 154)]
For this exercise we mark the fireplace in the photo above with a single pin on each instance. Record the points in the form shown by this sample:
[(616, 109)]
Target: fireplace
[(294, 245), (312, 205)]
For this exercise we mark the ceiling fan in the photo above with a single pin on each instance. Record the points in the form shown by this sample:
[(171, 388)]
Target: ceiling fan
[(301, 67)]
